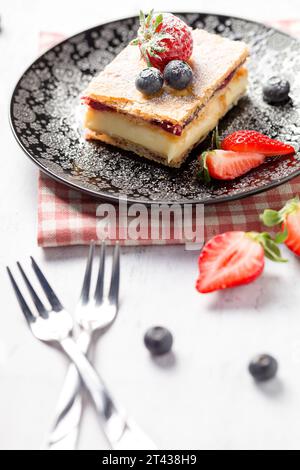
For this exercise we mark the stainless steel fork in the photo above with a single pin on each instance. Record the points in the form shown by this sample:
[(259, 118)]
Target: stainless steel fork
[(55, 325), (93, 314)]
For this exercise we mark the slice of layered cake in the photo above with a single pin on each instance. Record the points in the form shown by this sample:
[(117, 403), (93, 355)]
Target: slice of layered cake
[(164, 126)]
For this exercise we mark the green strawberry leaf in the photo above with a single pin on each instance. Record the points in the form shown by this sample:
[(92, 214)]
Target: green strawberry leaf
[(271, 248), (147, 61), (215, 139), (142, 18), (149, 18), (160, 36), (212, 143), (272, 251), (158, 21), (271, 217), (152, 53), (203, 173), (159, 48), (281, 236)]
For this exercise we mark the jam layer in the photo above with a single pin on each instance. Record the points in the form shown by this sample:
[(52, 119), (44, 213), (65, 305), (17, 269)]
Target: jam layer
[(175, 129), (121, 127)]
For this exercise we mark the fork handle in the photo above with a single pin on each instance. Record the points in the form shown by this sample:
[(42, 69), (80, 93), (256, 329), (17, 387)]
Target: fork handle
[(66, 423), (121, 432)]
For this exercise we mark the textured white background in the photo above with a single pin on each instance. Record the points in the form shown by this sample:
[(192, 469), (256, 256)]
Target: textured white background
[(202, 399)]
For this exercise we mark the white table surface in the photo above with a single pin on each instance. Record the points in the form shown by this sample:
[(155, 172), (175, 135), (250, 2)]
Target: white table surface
[(203, 399)]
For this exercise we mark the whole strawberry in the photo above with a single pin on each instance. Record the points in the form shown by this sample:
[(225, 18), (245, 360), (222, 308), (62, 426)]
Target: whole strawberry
[(163, 37)]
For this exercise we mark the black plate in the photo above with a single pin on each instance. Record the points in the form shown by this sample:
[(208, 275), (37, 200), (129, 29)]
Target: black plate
[(45, 112)]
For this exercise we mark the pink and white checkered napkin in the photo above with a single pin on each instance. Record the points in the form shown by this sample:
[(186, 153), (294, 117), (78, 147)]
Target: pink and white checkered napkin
[(68, 217)]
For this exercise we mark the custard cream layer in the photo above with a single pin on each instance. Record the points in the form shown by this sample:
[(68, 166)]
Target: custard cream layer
[(159, 141)]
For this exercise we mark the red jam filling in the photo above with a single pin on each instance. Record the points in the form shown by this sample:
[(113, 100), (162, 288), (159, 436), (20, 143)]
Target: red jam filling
[(226, 81), (167, 126), (96, 105), (175, 129)]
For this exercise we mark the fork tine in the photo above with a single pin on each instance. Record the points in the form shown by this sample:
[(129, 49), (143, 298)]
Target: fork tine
[(36, 300), (115, 277), (50, 294), (100, 279), (85, 291), (22, 302)]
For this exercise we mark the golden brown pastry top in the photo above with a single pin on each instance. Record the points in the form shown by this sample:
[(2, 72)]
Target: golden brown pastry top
[(213, 59)]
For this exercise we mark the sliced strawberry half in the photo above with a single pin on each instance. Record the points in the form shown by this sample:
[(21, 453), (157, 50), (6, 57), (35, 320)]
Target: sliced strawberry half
[(252, 141), (289, 218), (234, 258), (227, 165)]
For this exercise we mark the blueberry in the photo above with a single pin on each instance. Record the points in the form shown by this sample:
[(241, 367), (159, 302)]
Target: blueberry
[(276, 90), (158, 340), (149, 81), (178, 74), (263, 367)]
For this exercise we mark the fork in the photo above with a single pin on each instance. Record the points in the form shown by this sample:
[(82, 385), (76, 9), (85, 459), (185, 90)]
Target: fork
[(92, 314), (55, 326)]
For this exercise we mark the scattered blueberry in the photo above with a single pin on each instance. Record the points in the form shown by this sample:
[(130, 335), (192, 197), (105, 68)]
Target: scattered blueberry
[(263, 367), (178, 74), (158, 340), (149, 81), (276, 90)]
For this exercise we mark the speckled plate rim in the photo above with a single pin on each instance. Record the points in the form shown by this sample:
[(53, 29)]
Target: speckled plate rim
[(123, 198)]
